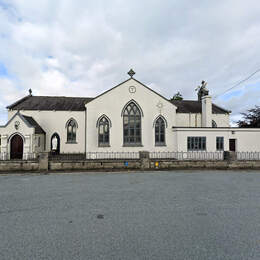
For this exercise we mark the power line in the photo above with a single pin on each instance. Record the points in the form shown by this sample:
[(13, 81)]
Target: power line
[(238, 83)]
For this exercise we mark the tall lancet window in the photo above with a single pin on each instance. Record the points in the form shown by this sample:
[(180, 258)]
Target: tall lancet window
[(103, 131), (132, 125), (159, 132), (71, 131)]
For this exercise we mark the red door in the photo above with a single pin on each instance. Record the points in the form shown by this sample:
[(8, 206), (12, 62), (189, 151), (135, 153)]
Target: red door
[(16, 147)]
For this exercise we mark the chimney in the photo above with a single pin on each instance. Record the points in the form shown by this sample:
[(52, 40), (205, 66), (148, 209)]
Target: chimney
[(206, 111)]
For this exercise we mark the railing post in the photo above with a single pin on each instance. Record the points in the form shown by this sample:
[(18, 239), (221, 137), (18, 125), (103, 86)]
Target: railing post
[(230, 156), (144, 159)]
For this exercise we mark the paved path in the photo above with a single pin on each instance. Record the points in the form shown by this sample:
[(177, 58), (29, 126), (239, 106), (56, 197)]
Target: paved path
[(152, 215)]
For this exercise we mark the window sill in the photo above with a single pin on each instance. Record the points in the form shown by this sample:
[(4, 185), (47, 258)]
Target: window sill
[(160, 145), (71, 142), (197, 150), (103, 145), (132, 145)]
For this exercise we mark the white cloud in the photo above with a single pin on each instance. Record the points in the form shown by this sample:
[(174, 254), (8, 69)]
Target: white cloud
[(11, 94), (86, 47)]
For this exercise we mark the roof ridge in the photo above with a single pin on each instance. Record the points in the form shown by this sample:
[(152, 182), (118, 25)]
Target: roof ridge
[(190, 100), (62, 103), (61, 96)]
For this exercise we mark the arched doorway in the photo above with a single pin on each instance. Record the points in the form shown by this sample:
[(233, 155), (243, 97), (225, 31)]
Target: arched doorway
[(55, 144), (16, 147)]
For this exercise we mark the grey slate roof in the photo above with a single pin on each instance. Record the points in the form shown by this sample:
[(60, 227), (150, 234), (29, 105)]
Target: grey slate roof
[(50, 103), (33, 123), (78, 104), (193, 106)]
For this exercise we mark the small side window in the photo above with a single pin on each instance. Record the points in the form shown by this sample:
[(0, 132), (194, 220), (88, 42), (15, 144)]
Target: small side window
[(220, 143)]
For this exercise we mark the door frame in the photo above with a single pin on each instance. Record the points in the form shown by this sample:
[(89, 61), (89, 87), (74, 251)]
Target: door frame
[(235, 144), (10, 139)]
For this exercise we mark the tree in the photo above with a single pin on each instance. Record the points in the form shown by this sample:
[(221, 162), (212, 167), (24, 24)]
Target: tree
[(177, 96), (251, 118)]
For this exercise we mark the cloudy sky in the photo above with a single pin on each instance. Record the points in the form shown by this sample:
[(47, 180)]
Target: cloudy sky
[(82, 48)]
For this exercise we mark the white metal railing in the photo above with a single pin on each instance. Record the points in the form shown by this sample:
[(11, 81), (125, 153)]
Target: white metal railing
[(4, 156), (112, 155), (243, 156), (26, 156), (194, 155), (29, 156)]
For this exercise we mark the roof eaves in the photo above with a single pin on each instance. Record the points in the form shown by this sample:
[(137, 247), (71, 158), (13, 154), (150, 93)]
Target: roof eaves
[(33, 123), (25, 120), (22, 118), (155, 92), (18, 102), (227, 111), (137, 82), (108, 90)]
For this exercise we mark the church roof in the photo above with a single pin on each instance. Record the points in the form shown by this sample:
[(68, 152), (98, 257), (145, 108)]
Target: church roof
[(193, 106), (34, 124), (50, 103), (78, 104), (29, 121)]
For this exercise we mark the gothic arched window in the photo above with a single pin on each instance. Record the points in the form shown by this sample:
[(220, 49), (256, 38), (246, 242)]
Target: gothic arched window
[(159, 132), (103, 131), (71, 130), (132, 125)]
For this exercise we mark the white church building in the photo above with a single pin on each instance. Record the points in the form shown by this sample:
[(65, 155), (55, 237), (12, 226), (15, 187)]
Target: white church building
[(129, 117)]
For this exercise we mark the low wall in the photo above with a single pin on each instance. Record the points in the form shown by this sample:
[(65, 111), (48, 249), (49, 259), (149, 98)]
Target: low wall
[(167, 164), (133, 164), (151, 165), (17, 166), (93, 165)]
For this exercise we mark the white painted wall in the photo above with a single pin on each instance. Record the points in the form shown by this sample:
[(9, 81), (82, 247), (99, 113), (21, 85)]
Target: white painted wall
[(222, 120), (247, 140), (194, 120), (112, 103), (24, 131), (206, 111), (38, 143), (55, 121), (188, 120)]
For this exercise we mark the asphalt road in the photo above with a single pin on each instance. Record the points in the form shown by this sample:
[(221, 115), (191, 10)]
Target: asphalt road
[(151, 215)]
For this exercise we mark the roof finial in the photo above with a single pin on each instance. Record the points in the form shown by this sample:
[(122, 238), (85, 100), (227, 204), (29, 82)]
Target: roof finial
[(30, 92), (131, 73)]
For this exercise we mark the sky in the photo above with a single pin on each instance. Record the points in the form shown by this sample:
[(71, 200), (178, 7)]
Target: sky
[(83, 48)]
